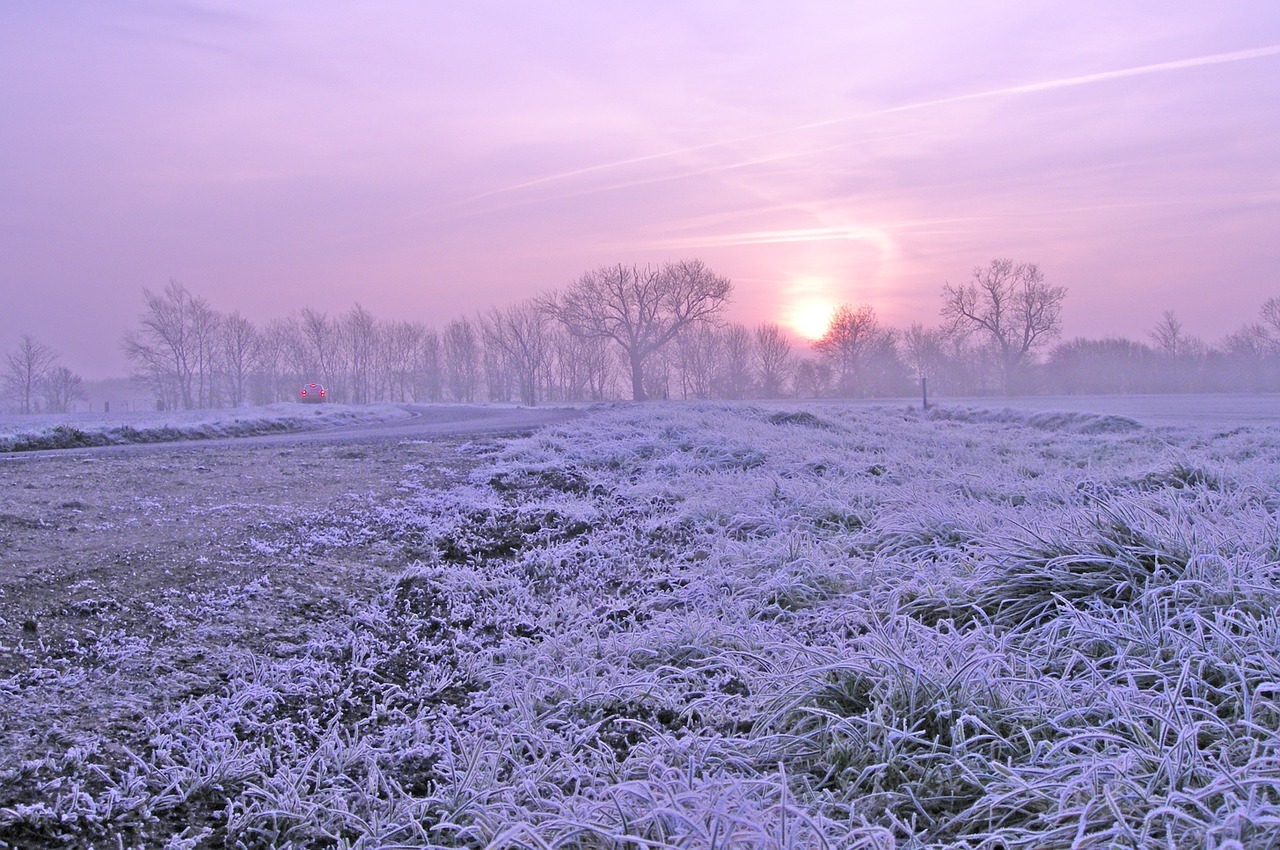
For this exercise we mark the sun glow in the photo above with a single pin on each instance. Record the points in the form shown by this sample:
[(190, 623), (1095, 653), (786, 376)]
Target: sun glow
[(811, 319)]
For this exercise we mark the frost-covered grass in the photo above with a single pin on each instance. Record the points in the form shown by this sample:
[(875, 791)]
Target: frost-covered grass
[(31, 433), (733, 627)]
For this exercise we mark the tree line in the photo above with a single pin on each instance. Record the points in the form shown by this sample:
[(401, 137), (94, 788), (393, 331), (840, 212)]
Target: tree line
[(654, 332), (34, 381)]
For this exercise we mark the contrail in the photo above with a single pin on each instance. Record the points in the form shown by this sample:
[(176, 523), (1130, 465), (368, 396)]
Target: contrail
[(1027, 88), (1082, 80)]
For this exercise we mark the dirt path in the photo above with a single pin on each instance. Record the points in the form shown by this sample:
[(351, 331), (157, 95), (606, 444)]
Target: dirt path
[(424, 422)]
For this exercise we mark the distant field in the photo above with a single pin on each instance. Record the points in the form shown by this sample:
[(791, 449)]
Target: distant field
[(1224, 410), (730, 626), (17, 432), (1219, 410)]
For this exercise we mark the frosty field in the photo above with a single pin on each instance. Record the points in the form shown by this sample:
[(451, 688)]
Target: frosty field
[(719, 626)]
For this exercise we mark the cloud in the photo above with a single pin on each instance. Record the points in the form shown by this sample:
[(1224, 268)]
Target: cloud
[(769, 237), (1006, 91)]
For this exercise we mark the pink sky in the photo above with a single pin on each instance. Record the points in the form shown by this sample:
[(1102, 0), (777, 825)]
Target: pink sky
[(433, 159)]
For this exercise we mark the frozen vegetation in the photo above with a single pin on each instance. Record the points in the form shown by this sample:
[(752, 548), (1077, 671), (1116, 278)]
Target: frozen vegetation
[(62, 431), (740, 627)]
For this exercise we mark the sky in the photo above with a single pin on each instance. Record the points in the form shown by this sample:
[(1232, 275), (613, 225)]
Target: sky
[(429, 160)]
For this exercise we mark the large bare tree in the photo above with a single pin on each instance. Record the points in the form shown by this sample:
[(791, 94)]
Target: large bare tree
[(642, 310), (1012, 306), (25, 369)]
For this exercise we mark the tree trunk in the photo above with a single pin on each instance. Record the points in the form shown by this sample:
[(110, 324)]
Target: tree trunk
[(637, 377)]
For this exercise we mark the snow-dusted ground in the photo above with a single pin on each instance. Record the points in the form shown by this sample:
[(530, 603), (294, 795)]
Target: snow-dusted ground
[(743, 626), (26, 433)]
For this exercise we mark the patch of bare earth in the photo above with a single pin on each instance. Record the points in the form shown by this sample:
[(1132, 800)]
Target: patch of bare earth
[(131, 581)]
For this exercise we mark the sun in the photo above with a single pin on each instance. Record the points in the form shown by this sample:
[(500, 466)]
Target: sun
[(811, 319)]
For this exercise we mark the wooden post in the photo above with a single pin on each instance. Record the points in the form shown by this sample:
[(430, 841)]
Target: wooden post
[(924, 392)]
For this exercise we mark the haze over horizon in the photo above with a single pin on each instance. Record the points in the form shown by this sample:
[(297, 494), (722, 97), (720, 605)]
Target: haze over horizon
[(430, 160)]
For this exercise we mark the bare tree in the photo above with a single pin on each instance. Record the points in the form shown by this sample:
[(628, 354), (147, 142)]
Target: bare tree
[(600, 367), (428, 381), (924, 349), (276, 360), (398, 350), (813, 378), (774, 362), (697, 356), (358, 334), (170, 350), (1170, 339), (1180, 356), (580, 369), (1012, 306), (520, 333), (564, 375), (205, 322), (848, 344), (734, 378), (60, 386), (461, 349), (25, 368), (1269, 324), (640, 310), (240, 355), (1249, 358), (659, 371), (498, 385), (1239, 361), (946, 359)]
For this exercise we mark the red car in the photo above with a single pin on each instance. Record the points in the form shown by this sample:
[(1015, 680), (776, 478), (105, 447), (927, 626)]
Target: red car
[(313, 394)]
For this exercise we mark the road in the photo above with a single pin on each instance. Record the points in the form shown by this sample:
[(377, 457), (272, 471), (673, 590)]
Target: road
[(425, 423), (129, 525)]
